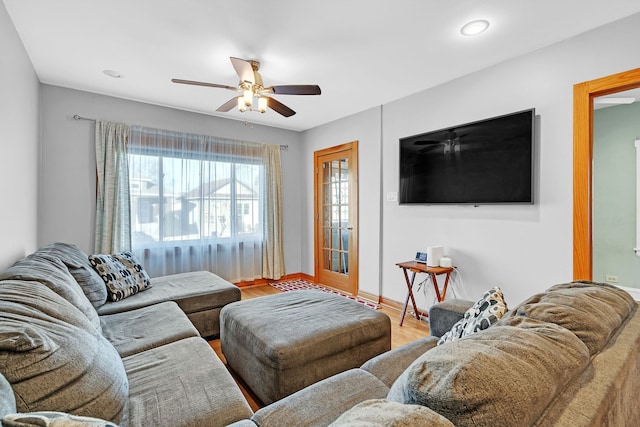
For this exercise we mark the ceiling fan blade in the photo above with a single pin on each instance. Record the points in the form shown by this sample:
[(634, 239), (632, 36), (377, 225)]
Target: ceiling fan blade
[(279, 107), (294, 90), (227, 106), (192, 82), (243, 69), (427, 142), (429, 148)]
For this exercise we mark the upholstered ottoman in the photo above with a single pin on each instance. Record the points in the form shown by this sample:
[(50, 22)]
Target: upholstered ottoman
[(281, 343)]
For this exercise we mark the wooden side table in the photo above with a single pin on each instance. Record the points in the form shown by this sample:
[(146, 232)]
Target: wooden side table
[(417, 267)]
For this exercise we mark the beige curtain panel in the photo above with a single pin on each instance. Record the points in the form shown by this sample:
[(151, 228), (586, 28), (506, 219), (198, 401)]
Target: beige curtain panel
[(113, 231)]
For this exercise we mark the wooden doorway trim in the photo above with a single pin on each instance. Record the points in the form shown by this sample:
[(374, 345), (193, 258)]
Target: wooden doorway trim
[(352, 147), (583, 95)]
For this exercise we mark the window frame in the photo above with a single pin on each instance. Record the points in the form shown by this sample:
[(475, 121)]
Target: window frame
[(216, 156)]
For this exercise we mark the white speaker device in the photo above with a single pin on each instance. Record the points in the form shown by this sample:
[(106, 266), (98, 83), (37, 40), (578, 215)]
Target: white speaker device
[(445, 262), (434, 253)]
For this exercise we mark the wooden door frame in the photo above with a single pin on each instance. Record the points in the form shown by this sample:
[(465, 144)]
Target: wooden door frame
[(583, 95), (353, 241)]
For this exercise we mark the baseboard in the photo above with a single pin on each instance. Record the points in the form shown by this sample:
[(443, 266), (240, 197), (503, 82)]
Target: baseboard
[(307, 277), (302, 276), (369, 297), (389, 303), (398, 306), (262, 282)]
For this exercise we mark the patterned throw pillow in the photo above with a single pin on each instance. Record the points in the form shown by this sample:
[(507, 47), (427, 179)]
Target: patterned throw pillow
[(122, 273), (484, 313)]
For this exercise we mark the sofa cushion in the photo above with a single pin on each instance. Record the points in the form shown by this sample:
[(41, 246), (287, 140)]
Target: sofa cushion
[(484, 313), (51, 272), (193, 292), (147, 327), (383, 413), (77, 263), (182, 383), (509, 372), (592, 311), (388, 366), (323, 402), (54, 359), (122, 274), (200, 294)]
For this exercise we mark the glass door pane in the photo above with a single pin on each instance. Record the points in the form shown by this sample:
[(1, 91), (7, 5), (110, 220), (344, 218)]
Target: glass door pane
[(335, 209)]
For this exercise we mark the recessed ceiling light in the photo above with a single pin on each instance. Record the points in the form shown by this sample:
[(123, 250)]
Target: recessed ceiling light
[(474, 27), (112, 73)]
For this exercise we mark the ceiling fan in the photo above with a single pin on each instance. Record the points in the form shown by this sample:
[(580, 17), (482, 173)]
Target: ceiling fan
[(251, 86), (450, 141)]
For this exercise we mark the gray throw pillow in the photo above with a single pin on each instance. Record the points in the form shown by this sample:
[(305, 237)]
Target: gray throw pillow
[(48, 270), (77, 261), (122, 274), (383, 413), (592, 311), (484, 313), (509, 372)]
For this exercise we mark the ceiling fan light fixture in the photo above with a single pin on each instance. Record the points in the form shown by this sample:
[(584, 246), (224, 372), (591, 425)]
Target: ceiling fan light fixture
[(262, 104), (248, 97), (242, 107), (251, 86), (474, 27)]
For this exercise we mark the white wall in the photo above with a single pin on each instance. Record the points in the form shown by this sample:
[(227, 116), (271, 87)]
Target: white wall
[(67, 192), (523, 249), (19, 130), (364, 128)]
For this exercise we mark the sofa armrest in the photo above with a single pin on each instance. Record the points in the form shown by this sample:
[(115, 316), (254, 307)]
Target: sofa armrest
[(443, 315), (388, 366), (323, 402)]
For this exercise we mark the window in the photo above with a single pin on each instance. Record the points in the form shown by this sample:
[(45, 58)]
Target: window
[(197, 203), (190, 199)]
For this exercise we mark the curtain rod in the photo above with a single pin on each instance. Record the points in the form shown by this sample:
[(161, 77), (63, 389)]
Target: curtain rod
[(79, 117)]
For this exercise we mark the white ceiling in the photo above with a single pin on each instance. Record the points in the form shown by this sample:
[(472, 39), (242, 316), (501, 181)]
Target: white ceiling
[(362, 53)]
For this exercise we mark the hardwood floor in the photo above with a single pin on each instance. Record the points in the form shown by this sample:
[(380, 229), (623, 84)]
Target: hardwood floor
[(411, 330)]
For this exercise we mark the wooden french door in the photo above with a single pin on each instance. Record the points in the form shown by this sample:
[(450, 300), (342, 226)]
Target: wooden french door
[(336, 217)]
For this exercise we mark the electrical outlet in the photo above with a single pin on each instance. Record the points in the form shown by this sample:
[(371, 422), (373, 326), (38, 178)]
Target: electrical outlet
[(610, 278)]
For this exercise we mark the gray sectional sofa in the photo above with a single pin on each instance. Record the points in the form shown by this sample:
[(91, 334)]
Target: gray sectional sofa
[(567, 357), (140, 361)]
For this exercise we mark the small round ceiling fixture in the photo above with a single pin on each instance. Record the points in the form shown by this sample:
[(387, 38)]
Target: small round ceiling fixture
[(112, 73), (474, 27)]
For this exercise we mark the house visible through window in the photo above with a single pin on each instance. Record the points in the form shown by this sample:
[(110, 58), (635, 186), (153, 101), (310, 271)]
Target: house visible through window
[(193, 199), (197, 202)]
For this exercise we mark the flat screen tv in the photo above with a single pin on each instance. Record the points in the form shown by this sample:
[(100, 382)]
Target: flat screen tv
[(484, 162)]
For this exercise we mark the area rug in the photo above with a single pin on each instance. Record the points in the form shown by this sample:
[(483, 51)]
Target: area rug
[(298, 285)]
